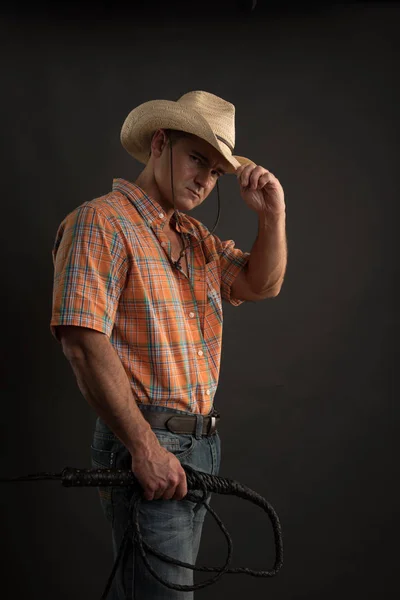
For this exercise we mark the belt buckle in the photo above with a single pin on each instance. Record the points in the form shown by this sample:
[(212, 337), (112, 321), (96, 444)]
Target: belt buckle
[(213, 426)]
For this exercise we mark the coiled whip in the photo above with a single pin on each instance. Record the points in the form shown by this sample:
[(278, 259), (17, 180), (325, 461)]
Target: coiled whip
[(196, 480)]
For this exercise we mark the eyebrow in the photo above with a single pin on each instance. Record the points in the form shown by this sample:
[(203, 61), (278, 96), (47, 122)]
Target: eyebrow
[(205, 159)]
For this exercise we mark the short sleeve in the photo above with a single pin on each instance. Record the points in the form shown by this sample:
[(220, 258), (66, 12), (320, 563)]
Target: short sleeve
[(90, 266), (232, 261)]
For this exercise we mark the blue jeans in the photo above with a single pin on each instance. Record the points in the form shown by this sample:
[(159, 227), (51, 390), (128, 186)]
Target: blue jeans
[(170, 526)]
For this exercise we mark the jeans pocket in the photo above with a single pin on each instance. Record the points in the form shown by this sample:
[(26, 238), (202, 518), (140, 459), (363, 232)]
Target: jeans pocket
[(179, 444), (103, 456)]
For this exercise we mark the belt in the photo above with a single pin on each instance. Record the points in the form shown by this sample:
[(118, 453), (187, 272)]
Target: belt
[(181, 423)]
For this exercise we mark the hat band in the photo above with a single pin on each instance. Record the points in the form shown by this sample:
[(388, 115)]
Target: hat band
[(221, 139)]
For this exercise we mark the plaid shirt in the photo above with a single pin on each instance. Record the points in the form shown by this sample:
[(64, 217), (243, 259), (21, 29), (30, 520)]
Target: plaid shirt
[(113, 274)]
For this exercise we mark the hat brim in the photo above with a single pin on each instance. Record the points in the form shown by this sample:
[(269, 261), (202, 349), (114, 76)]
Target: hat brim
[(145, 119)]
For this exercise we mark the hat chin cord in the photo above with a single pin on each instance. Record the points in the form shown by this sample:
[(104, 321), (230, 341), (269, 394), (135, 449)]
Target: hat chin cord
[(178, 218)]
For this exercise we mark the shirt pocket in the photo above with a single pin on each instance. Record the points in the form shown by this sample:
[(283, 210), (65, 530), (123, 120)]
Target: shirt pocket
[(213, 312)]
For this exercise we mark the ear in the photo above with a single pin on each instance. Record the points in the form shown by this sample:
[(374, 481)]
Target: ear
[(158, 142)]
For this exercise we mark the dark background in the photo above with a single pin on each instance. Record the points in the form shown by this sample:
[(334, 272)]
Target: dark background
[(308, 384)]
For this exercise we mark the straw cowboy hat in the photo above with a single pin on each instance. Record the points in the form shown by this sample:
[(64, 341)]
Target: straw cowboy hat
[(199, 113)]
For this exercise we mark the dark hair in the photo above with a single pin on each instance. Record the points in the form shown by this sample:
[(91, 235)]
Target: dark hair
[(173, 135), (176, 134)]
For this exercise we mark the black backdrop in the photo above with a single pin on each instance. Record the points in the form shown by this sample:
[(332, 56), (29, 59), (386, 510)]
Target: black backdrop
[(307, 388)]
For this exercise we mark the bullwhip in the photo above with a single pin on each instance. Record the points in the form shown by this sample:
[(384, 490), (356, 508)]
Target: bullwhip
[(196, 481)]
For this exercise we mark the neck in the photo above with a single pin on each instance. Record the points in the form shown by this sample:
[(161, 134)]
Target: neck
[(147, 182)]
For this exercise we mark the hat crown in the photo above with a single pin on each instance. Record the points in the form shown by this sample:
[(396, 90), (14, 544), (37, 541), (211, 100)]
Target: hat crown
[(219, 113), (199, 113)]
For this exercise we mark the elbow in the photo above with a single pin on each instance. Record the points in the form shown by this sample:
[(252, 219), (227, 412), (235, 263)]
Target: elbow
[(274, 292), (271, 292)]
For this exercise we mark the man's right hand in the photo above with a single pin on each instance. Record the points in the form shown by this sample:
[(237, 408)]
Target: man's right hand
[(160, 473), (103, 381)]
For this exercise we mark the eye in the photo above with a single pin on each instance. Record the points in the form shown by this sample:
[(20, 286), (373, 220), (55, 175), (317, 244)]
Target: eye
[(197, 160)]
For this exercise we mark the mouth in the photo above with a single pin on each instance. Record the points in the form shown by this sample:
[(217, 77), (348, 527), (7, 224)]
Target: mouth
[(195, 194)]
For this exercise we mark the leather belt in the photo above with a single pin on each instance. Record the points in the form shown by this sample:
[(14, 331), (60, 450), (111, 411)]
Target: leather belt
[(181, 423)]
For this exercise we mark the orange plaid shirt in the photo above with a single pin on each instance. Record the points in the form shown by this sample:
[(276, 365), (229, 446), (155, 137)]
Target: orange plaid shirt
[(112, 273)]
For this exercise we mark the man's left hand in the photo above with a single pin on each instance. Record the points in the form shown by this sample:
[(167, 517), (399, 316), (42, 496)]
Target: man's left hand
[(261, 190)]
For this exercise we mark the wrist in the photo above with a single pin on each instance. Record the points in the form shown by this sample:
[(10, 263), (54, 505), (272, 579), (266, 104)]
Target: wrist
[(144, 440), (268, 215), (268, 221)]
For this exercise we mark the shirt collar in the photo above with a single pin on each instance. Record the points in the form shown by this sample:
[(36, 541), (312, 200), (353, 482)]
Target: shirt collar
[(148, 208)]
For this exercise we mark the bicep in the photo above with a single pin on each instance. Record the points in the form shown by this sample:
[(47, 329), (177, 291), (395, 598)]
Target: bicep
[(75, 339)]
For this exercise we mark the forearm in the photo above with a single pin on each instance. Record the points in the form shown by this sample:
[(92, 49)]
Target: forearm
[(103, 382), (268, 258)]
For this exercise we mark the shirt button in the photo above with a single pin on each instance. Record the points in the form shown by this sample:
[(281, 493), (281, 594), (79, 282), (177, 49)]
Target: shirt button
[(161, 215), (191, 315), (208, 392), (200, 353), (163, 244)]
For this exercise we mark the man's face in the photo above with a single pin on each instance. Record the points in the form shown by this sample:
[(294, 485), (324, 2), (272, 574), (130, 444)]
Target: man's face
[(196, 168)]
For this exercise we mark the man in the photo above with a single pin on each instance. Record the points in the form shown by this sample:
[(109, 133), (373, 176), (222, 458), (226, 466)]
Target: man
[(137, 307)]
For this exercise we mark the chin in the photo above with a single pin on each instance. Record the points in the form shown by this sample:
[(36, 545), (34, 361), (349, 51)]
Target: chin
[(186, 201), (184, 206)]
